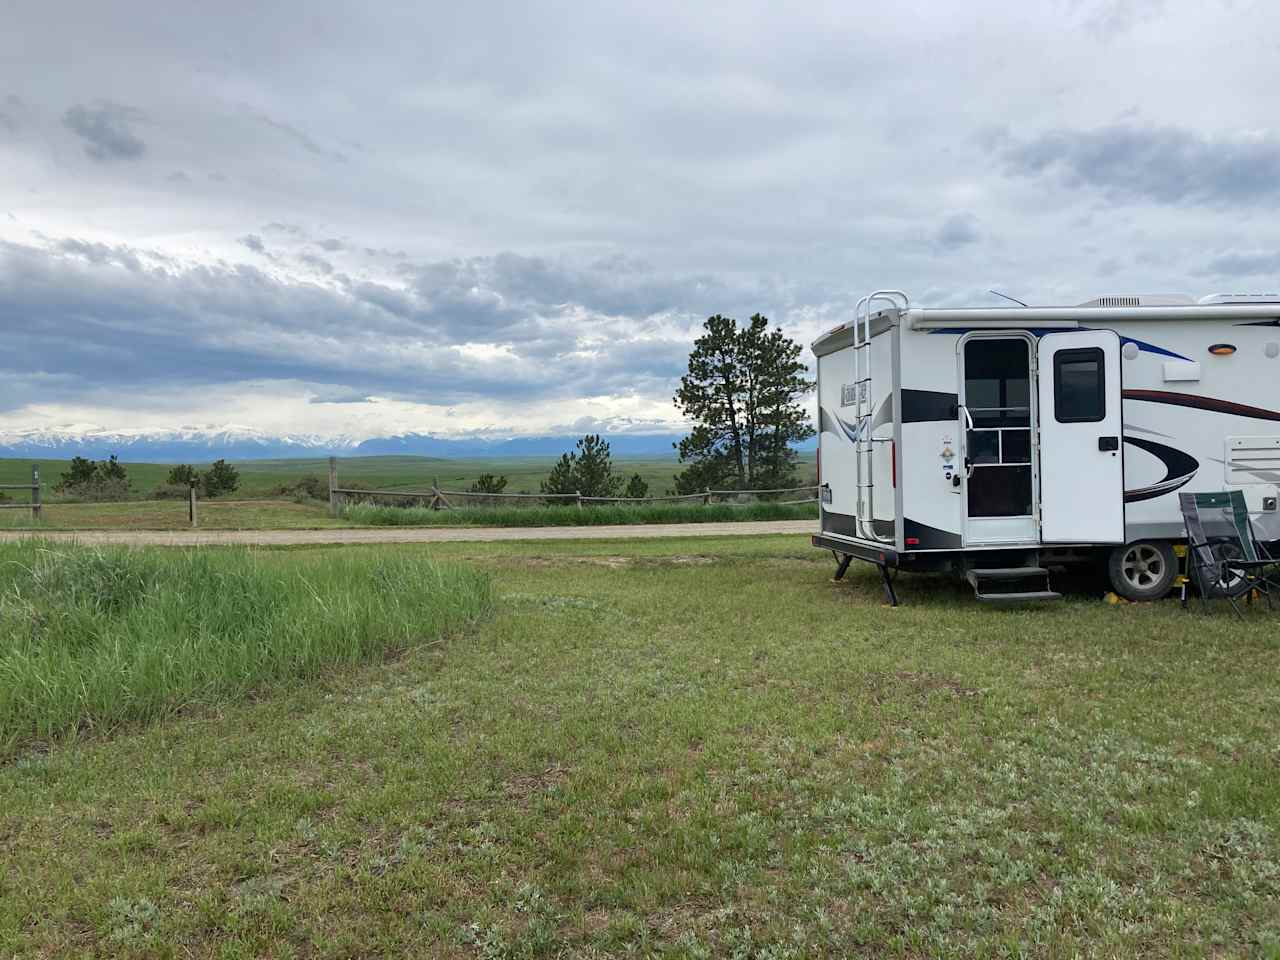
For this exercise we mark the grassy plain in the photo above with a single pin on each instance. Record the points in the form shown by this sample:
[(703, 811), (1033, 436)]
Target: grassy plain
[(686, 749), (265, 478)]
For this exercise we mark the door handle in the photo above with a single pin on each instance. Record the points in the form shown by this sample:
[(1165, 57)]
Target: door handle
[(1106, 444)]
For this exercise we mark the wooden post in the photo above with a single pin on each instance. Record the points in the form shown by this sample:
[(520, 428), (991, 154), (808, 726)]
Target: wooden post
[(333, 482), (706, 497), (579, 495), (191, 505), (35, 491)]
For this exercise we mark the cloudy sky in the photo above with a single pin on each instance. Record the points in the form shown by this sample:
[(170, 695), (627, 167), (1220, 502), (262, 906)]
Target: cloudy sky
[(466, 217)]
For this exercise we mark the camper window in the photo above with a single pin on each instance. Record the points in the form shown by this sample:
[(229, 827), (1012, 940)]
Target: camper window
[(1079, 393)]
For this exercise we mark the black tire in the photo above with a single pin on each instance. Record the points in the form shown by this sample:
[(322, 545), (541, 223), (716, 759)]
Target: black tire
[(1142, 570)]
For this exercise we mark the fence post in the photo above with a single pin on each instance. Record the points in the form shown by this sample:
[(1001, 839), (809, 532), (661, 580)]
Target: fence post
[(706, 497), (35, 491), (333, 482), (578, 493), (191, 505)]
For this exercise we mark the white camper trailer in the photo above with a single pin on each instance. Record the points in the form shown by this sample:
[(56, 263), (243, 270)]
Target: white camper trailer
[(1000, 442)]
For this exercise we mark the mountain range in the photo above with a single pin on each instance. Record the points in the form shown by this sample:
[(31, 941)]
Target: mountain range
[(192, 445)]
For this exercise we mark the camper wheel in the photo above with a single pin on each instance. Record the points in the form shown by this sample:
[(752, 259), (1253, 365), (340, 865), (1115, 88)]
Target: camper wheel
[(1143, 570)]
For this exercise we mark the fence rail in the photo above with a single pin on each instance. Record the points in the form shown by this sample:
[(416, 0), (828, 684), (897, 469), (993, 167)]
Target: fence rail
[(439, 498), (33, 488)]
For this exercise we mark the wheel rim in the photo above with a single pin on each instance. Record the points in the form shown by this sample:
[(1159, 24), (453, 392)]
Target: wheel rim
[(1143, 566)]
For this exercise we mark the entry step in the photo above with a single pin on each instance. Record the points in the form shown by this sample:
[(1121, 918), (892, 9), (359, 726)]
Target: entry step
[(1019, 597), (1005, 573), (1034, 582)]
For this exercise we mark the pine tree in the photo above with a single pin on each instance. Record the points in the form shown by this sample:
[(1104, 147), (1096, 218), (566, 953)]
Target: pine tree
[(742, 391)]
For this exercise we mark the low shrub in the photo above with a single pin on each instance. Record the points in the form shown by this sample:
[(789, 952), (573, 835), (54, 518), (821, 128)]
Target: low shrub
[(376, 515), (169, 491), (93, 637)]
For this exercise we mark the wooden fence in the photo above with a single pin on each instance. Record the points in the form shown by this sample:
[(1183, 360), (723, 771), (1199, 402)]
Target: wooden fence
[(32, 488), (439, 499)]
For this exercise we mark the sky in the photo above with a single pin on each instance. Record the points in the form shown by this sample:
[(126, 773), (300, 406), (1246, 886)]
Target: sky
[(509, 219)]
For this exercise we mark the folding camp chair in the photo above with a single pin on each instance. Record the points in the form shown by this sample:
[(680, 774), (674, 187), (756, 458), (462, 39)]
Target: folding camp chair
[(1224, 558)]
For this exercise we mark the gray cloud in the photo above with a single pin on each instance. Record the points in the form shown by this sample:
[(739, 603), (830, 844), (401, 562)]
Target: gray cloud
[(302, 139), (958, 230), (319, 264), (253, 242), (340, 397), (332, 244), (1164, 165), (106, 129), (94, 325), (1243, 264)]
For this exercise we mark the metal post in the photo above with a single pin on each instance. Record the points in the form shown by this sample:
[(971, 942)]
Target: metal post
[(579, 495), (191, 505), (35, 491), (333, 482), (706, 497)]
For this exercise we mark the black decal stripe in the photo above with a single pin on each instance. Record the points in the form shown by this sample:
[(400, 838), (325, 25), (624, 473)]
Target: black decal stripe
[(925, 406), (1179, 468), (930, 538), (841, 524), (1212, 404)]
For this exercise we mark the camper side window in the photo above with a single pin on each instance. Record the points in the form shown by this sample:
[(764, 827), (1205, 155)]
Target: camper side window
[(1079, 394)]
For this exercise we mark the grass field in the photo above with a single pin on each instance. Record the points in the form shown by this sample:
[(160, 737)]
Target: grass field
[(265, 478), (172, 515), (370, 515), (688, 749), (90, 638)]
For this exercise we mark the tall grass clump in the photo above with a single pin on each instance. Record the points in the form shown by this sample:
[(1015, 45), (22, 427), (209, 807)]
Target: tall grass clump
[(375, 515), (91, 637)]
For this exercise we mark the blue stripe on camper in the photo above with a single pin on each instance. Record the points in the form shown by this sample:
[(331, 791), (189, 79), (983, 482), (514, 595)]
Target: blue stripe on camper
[(1142, 345)]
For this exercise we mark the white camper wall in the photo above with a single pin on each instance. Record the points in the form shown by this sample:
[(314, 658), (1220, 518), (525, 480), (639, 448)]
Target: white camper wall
[(932, 508), (835, 441), (1181, 413)]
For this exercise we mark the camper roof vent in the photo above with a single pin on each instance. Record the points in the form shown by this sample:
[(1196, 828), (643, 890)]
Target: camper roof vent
[(1141, 300), (1241, 298)]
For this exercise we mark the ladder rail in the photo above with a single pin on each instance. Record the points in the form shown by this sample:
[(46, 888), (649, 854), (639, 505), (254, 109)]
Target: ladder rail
[(864, 409)]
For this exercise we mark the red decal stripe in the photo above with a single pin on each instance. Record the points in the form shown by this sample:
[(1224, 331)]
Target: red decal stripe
[(1201, 403)]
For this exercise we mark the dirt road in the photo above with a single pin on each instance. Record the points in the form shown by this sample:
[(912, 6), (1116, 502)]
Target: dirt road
[(199, 538)]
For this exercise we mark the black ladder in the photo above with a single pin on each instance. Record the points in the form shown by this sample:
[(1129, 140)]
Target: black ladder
[(1011, 584)]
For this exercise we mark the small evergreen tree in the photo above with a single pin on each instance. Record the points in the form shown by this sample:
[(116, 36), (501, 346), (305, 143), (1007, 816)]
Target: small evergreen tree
[(80, 474), (587, 470), (488, 483), (183, 475), (95, 479), (220, 478), (636, 489)]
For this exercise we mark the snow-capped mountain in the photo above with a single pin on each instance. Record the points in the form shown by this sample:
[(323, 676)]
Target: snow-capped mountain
[(187, 444)]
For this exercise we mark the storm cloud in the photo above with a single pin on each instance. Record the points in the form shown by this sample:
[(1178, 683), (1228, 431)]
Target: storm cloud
[(494, 220)]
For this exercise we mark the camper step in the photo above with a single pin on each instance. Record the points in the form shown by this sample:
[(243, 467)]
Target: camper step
[(1019, 597), (1004, 573)]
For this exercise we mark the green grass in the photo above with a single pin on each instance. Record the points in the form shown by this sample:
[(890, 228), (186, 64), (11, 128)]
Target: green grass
[(687, 748), (90, 638), (265, 478), (372, 515), (172, 515)]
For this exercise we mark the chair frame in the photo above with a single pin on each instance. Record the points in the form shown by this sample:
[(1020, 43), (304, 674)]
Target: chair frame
[(1254, 572)]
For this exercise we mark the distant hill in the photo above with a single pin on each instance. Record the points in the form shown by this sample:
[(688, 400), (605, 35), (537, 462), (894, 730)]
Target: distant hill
[(238, 443)]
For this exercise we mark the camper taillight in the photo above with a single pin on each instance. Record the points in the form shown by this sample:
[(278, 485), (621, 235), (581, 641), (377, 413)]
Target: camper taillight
[(893, 462)]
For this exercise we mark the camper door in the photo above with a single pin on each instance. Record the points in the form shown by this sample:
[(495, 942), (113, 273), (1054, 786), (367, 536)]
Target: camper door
[(1081, 464)]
